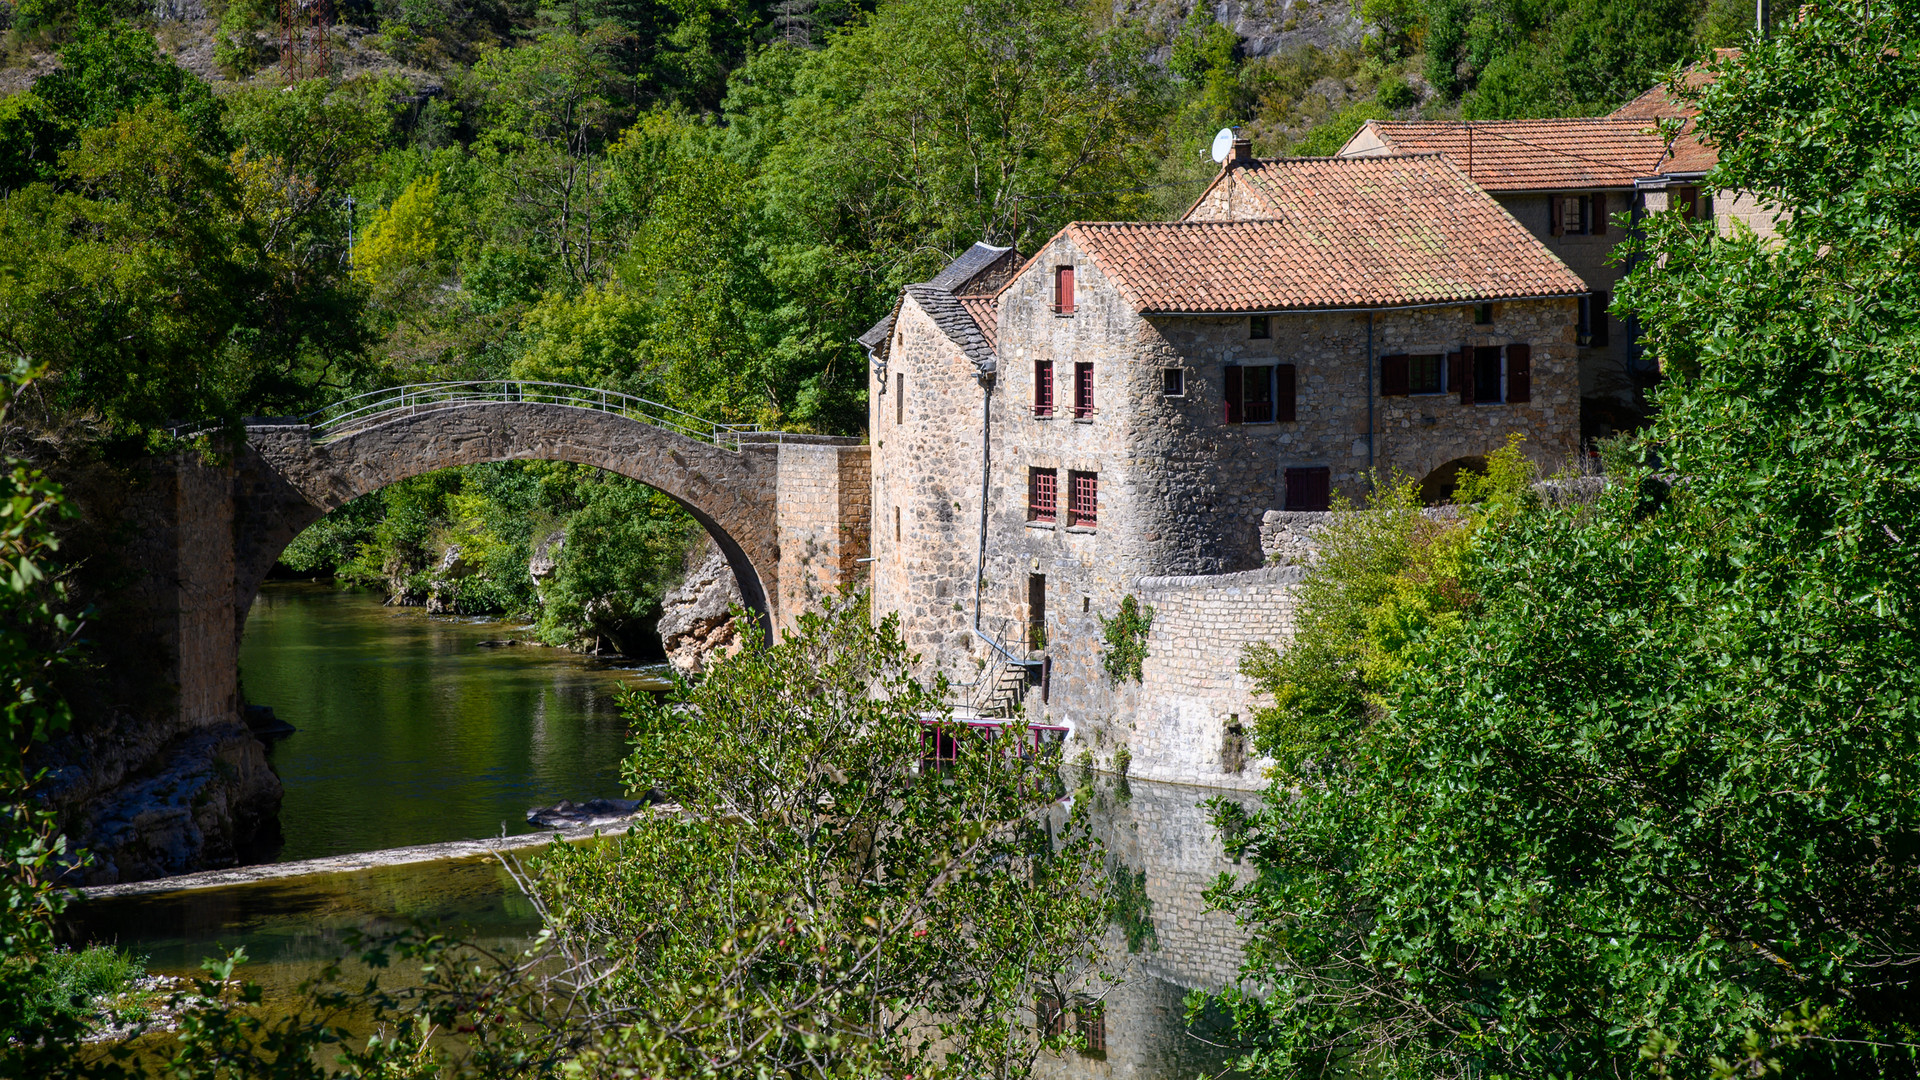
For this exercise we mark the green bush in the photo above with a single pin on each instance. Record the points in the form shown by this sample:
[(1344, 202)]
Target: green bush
[(78, 986), (1126, 638)]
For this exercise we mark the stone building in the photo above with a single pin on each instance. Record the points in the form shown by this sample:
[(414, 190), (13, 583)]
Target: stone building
[(1569, 181), (1117, 414)]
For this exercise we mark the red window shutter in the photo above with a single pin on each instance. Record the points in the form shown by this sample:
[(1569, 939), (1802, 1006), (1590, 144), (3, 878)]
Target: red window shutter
[(1461, 375), (1042, 494), (1063, 289), (1082, 390), (1232, 381), (1599, 213), (1284, 392), (1393, 376), (1519, 373), (1043, 388), (1556, 215)]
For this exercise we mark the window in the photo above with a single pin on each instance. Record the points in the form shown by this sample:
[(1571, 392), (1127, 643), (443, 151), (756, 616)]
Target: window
[(1690, 200), (1043, 388), (939, 748), (1577, 215), (1037, 611), (1063, 290), (1426, 374), (1090, 1023), (1403, 374), (1083, 499), (1483, 315), (1043, 494), (1049, 1016), (899, 398), (1486, 375), (1082, 391), (1593, 321), (1259, 394), (1259, 327), (1309, 489), (1173, 382)]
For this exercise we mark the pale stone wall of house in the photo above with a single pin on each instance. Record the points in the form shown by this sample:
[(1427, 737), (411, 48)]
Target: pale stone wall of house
[(1193, 698), (926, 493), (1731, 209), (821, 523)]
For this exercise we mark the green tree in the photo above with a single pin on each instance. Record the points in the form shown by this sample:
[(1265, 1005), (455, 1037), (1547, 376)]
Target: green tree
[(1648, 805), (814, 906)]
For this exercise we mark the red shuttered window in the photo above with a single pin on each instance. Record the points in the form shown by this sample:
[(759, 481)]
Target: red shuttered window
[(1082, 391), (1083, 499), (1043, 388), (1063, 290), (1043, 494), (1519, 373)]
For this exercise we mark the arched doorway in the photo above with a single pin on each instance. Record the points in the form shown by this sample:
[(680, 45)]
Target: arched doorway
[(1437, 487)]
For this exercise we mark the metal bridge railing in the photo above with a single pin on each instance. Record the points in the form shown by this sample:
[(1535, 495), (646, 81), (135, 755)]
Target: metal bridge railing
[(378, 406)]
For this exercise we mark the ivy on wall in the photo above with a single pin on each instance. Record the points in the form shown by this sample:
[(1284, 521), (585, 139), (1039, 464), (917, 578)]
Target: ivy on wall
[(1126, 635)]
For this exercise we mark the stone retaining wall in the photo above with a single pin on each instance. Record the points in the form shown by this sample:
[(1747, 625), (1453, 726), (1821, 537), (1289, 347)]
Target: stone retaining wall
[(1191, 693)]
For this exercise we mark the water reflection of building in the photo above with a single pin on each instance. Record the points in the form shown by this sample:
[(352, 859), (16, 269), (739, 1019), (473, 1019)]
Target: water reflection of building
[(1165, 943)]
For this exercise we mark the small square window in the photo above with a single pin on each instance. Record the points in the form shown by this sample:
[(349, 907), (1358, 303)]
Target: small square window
[(1083, 499), (1483, 315), (1258, 326), (1173, 382)]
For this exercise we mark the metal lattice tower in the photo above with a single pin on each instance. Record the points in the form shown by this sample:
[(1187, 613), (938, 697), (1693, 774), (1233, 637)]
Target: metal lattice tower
[(303, 38)]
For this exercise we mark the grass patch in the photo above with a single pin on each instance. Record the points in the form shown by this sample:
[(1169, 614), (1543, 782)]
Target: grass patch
[(98, 983)]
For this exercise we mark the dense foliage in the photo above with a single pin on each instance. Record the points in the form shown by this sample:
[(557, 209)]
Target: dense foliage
[(1646, 800)]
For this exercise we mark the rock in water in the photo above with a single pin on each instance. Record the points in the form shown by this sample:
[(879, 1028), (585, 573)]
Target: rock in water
[(567, 814), (696, 621)]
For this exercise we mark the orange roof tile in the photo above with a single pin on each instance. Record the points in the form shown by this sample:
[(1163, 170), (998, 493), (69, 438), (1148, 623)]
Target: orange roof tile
[(985, 312), (1342, 232), (1535, 155)]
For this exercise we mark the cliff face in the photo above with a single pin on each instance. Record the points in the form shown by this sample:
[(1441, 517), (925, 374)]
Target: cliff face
[(696, 620)]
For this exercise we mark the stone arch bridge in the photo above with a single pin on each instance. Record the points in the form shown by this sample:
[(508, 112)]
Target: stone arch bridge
[(195, 538)]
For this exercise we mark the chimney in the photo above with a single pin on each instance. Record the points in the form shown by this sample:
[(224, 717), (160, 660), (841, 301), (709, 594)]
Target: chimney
[(1241, 154)]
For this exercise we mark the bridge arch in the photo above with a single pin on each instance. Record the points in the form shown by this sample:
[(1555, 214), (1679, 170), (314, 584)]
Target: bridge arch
[(297, 471)]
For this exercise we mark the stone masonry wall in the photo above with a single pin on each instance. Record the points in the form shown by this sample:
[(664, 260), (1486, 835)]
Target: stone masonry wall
[(925, 424), (1602, 368), (1192, 694), (820, 522)]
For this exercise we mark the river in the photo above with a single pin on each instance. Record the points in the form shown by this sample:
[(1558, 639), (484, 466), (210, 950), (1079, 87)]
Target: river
[(411, 732)]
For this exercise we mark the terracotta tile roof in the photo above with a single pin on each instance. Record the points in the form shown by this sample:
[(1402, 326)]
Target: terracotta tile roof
[(985, 313), (1534, 155), (1657, 103), (1354, 232)]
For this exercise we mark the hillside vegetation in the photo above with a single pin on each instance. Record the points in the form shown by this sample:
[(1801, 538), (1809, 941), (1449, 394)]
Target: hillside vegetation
[(701, 202)]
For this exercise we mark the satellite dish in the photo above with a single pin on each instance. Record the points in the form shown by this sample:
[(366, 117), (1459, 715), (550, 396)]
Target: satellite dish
[(1222, 145)]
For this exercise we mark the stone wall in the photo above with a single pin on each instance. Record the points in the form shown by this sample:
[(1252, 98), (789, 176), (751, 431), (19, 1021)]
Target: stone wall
[(925, 423), (821, 521), (1193, 720), (158, 773)]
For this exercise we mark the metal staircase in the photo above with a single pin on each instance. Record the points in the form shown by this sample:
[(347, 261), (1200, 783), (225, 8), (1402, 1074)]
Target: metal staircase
[(1001, 691)]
